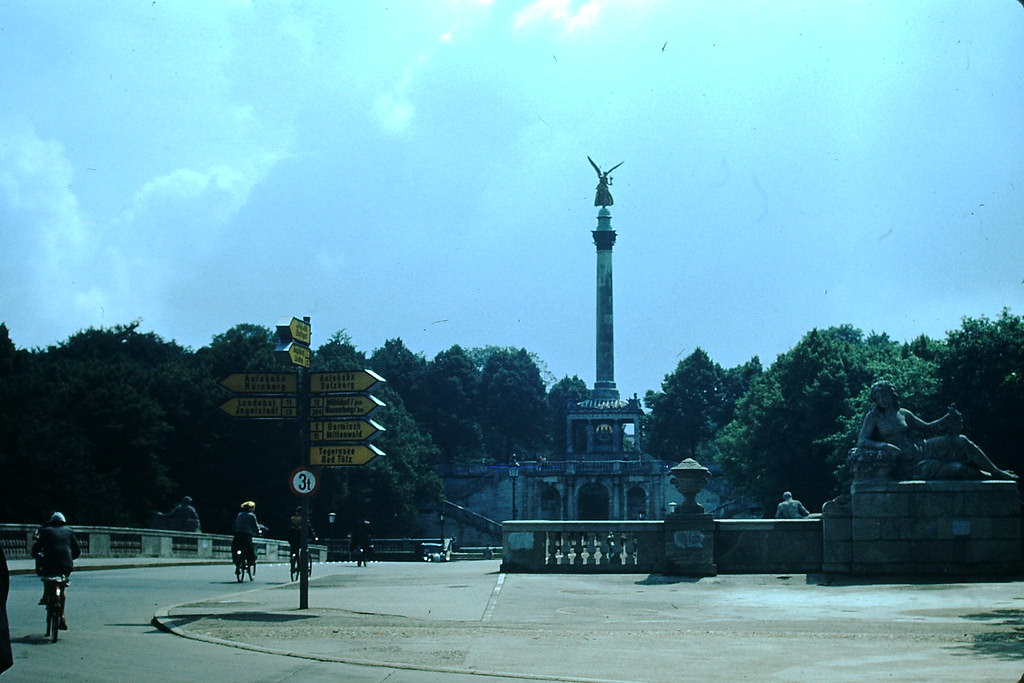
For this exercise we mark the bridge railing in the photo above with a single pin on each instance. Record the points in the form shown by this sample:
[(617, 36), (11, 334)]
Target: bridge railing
[(105, 541)]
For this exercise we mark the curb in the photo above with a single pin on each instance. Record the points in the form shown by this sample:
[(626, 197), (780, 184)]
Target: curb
[(126, 565), (162, 620)]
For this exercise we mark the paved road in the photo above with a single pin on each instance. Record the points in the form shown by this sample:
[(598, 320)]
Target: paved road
[(468, 617), (465, 621), (111, 637)]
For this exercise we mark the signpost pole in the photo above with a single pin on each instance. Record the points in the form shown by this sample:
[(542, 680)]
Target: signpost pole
[(304, 460)]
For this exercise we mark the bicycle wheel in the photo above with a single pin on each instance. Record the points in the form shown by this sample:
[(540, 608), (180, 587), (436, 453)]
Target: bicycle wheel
[(295, 567), (239, 570), (252, 570), (53, 617)]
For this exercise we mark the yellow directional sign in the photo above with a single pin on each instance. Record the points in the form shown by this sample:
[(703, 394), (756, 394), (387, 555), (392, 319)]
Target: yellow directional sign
[(295, 329), (261, 383), (293, 336), (295, 353), (345, 430), (357, 405), (354, 454), (336, 382), (260, 407)]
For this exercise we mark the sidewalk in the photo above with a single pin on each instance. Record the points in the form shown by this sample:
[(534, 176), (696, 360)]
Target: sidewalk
[(96, 563), (467, 617)]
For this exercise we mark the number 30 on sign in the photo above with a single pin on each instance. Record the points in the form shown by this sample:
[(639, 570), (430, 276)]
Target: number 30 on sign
[(304, 481)]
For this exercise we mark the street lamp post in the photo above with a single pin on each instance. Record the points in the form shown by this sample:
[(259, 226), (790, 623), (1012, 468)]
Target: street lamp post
[(513, 473), (331, 516)]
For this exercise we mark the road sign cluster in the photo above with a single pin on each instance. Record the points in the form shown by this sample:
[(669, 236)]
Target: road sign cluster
[(342, 431), (333, 407)]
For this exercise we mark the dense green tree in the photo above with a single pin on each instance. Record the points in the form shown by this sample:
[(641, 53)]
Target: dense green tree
[(565, 392), (404, 371), (113, 424), (451, 408), (981, 369), (243, 348), (513, 399), (778, 438), (689, 409), (94, 426)]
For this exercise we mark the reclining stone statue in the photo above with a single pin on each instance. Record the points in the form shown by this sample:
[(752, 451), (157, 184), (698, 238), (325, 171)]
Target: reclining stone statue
[(894, 443)]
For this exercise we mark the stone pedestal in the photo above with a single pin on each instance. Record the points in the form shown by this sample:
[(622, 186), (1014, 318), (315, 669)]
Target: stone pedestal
[(689, 531), (950, 528), (690, 545)]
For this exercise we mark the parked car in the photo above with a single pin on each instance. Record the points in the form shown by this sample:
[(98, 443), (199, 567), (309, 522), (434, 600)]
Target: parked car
[(433, 552)]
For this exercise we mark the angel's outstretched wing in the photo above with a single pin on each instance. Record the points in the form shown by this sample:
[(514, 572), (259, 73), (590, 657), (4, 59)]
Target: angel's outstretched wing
[(594, 165), (613, 167)]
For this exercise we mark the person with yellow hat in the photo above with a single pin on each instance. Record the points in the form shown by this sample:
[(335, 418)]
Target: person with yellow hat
[(245, 527)]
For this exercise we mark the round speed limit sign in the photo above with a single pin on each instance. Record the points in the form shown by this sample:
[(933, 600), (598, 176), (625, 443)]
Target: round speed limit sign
[(304, 481)]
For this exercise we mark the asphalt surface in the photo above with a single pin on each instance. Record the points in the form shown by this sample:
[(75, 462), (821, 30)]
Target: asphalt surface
[(469, 618)]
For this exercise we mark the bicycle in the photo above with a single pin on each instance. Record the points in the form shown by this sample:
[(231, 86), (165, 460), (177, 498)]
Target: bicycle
[(295, 565), (55, 590), (243, 566)]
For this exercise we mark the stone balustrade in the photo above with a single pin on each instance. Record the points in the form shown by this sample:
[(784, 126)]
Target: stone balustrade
[(730, 546), (594, 547), (103, 541)]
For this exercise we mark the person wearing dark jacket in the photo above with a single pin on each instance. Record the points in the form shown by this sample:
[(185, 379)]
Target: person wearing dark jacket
[(55, 550)]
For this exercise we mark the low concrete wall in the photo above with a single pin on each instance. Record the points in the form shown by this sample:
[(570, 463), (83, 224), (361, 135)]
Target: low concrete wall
[(752, 546), (768, 546), (102, 541)]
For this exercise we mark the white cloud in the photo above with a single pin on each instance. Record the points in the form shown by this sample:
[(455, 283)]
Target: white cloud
[(559, 11), (36, 177)]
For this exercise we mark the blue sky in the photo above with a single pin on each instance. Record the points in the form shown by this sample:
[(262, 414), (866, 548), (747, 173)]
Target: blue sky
[(419, 170)]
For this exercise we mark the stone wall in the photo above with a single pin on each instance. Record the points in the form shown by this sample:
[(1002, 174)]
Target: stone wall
[(950, 528), (683, 545), (768, 546), (907, 528)]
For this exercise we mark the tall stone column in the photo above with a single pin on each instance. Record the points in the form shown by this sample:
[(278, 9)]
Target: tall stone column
[(604, 240)]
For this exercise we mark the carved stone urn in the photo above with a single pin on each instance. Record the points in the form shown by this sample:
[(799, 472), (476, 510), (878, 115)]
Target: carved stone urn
[(689, 477)]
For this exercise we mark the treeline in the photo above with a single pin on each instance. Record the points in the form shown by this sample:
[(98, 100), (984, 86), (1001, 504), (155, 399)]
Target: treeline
[(790, 426), (114, 424)]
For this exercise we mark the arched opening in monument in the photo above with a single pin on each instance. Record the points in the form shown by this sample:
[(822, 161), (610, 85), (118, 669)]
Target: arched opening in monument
[(636, 503), (593, 501), (550, 503)]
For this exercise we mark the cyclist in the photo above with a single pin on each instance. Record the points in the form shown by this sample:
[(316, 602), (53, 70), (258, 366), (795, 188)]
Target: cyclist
[(295, 534), (55, 550), (295, 530), (245, 527)]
